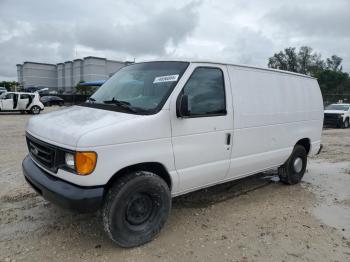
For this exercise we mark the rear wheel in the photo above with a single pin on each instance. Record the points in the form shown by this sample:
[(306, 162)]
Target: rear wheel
[(293, 170), (35, 110), (136, 208)]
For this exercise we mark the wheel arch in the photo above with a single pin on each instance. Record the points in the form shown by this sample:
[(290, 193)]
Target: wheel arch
[(34, 106), (154, 167), (306, 143)]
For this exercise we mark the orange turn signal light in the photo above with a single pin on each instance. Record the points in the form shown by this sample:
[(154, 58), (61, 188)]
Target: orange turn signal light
[(85, 162)]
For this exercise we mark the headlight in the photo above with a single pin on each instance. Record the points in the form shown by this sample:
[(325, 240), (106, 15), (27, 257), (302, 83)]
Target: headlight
[(70, 160)]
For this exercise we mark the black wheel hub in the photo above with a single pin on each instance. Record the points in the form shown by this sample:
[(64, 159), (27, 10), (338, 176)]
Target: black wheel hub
[(139, 209)]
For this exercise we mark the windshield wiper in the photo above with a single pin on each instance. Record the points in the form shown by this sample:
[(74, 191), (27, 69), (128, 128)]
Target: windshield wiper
[(122, 104)]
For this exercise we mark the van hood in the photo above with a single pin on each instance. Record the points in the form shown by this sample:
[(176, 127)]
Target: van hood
[(65, 127), (334, 111)]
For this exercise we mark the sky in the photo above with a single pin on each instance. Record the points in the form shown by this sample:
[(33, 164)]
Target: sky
[(235, 31)]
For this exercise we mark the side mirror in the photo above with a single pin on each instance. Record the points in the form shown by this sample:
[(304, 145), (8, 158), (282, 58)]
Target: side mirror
[(182, 106)]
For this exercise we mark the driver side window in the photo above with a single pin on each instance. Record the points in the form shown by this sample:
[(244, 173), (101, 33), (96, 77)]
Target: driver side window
[(206, 92)]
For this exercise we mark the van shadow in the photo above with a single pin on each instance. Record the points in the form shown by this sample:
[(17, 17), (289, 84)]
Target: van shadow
[(206, 197), (89, 225)]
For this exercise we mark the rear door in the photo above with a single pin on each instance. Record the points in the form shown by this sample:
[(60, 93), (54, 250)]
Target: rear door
[(202, 141), (23, 101)]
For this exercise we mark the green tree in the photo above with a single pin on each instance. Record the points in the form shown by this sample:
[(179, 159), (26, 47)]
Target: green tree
[(334, 63), (9, 85), (317, 65), (84, 90), (285, 60), (305, 60), (333, 82), (329, 72)]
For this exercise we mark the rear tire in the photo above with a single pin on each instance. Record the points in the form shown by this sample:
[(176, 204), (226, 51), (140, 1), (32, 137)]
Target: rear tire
[(292, 171), (35, 110), (136, 208)]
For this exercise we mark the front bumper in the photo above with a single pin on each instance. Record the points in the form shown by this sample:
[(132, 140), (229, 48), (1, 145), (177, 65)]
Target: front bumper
[(332, 120), (60, 192)]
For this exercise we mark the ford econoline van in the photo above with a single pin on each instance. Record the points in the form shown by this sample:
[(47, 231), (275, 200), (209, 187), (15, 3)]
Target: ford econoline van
[(156, 130)]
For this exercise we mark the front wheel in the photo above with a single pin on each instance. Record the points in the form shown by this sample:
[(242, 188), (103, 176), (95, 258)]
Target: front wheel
[(35, 110), (136, 208), (293, 170), (346, 123)]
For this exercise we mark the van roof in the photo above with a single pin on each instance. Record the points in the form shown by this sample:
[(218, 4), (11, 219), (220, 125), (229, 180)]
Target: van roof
[(208, 61)]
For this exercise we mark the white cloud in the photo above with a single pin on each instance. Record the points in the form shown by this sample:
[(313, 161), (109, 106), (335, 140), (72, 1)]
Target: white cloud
[(240, 31)]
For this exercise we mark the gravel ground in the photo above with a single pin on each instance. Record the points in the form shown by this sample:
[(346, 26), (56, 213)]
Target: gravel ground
[(253, 219)]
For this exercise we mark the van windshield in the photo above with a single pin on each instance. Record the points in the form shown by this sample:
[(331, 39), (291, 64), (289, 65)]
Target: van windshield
[(139, 88), (337, 107)]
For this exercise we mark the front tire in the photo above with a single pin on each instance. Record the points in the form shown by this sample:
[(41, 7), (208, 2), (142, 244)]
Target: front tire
[(293, 170), (136, 208), (346, 123)]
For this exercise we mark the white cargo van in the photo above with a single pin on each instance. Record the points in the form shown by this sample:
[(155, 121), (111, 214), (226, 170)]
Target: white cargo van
[(156, 130)]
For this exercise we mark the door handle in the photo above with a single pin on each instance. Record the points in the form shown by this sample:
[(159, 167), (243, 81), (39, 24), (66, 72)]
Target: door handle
[(228, 138)]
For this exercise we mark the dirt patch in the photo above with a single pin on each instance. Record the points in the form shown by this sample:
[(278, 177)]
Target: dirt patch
[(336, 144), (17, 196)]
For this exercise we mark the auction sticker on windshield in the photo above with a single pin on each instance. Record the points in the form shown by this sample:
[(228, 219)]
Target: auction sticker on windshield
[(169, 78)]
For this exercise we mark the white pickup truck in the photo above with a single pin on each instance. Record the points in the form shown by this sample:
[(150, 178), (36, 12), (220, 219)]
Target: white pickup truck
[(337, 115), (21, 102)]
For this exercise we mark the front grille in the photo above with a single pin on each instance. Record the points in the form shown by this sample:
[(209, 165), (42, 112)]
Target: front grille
[(332, 116), (332, 119), (42, 152)]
